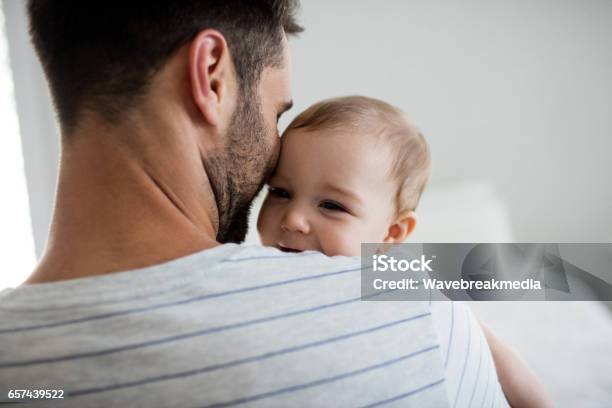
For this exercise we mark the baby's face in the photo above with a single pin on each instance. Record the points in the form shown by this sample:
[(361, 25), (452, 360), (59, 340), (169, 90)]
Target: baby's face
[(330, 192)]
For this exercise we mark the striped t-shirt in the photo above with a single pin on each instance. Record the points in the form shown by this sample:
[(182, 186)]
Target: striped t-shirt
[(240, 326)]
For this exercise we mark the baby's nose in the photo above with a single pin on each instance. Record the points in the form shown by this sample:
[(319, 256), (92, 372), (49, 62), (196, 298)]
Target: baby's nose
[(295, 221)]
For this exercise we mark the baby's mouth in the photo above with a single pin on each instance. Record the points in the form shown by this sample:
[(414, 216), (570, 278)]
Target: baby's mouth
[(287, 249)]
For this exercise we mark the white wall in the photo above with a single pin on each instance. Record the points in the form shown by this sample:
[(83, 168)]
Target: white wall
[(16, 238), (39, 137), (518, 92)]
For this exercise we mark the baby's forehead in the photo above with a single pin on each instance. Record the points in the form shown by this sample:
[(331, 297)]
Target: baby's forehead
[(348, 140), (336, 135), (334, 152)]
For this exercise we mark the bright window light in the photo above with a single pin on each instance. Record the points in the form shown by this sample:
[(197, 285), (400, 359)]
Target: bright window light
[(16, 239)]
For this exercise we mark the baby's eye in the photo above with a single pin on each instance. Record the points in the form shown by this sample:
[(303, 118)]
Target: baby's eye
[(332, 206), (278, 192)]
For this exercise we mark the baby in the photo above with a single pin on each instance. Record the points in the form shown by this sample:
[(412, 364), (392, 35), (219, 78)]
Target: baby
[(352, 170)]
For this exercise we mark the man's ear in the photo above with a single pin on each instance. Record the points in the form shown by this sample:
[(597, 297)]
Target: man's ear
[(401, 228), (212, 75)]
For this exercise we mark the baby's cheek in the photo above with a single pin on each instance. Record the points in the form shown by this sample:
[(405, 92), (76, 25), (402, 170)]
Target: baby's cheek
[(265, 225), (340, 242)]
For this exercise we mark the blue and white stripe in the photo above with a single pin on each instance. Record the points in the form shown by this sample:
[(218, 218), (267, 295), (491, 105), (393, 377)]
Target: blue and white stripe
[(241, 326)]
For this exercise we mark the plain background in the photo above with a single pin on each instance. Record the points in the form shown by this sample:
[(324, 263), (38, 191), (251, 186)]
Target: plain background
[(517, 92), (515, 99)]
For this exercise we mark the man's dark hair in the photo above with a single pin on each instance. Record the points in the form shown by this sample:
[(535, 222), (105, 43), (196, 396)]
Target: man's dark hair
[(100, 55)]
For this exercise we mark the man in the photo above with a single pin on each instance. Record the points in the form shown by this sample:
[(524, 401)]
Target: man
[(168, 114)]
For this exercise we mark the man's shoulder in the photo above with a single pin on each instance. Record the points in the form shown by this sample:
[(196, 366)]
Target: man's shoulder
[(270, 256), (258, 265), (248, 264)]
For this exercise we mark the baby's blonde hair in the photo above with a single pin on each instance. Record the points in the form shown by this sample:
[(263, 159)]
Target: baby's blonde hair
[(411, 162)]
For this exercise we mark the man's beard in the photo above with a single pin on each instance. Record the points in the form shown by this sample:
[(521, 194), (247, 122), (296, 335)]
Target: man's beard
[(239, 170)]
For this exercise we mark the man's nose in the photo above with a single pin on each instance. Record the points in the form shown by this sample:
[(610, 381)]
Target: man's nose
[(295, 220)]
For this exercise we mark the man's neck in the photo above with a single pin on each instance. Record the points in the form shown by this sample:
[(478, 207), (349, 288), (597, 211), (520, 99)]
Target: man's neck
[(122, 206)]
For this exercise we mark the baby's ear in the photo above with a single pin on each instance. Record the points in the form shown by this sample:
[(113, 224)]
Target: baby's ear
[(402, 227)]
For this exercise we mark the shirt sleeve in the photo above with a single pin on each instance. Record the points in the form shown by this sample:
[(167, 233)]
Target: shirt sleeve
[(471, 377)]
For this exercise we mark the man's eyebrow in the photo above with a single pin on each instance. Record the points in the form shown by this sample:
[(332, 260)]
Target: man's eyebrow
[(285, 107)]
